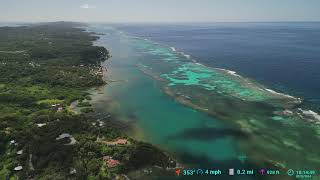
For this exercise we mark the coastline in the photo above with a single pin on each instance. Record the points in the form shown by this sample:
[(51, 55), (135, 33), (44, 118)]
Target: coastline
[(124, 127), (248, 121), (47, 129), (281, 106), (128, 128)]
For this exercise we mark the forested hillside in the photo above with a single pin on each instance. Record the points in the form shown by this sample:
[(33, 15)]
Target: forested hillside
[(43, 68)]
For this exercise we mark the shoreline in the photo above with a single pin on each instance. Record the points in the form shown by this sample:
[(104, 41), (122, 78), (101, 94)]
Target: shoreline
[(44, 131), (130, 130), (246, 125), (287, 102)]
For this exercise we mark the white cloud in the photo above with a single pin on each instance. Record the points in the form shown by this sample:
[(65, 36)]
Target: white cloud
[(87, 6)]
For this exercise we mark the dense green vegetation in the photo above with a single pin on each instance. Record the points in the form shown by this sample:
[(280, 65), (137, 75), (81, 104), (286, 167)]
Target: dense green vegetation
[(43, 68)]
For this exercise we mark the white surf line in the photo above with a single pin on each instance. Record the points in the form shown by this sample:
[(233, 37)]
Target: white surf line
[(173, 49), (309, 114), (282, 94), (233, 73), (266, 89), (229, 72)]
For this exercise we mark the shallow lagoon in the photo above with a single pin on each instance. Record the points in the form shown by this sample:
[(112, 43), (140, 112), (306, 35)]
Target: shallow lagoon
[(231, 116)]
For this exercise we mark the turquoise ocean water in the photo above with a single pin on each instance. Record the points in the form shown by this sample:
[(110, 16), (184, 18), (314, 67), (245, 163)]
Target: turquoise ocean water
[(154, 87)]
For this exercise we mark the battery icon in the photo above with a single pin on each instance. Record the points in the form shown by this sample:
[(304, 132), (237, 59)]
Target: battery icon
[(231, 172)]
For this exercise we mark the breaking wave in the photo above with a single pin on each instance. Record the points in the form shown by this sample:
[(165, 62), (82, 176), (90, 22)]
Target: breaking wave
[(173, 49), (233, 73), (281, 94), (185, 55), (309, 114)]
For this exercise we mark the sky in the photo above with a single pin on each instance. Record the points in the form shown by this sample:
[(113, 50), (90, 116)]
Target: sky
[(159, 10)]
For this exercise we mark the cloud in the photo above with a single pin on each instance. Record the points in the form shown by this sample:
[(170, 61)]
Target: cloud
[(87, 6)]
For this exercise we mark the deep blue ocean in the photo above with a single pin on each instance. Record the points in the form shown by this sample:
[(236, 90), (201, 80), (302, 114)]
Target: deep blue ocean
[(282, 56)]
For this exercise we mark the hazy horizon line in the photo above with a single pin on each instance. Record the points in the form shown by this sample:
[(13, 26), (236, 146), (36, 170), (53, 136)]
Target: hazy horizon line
[(164, 22)]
